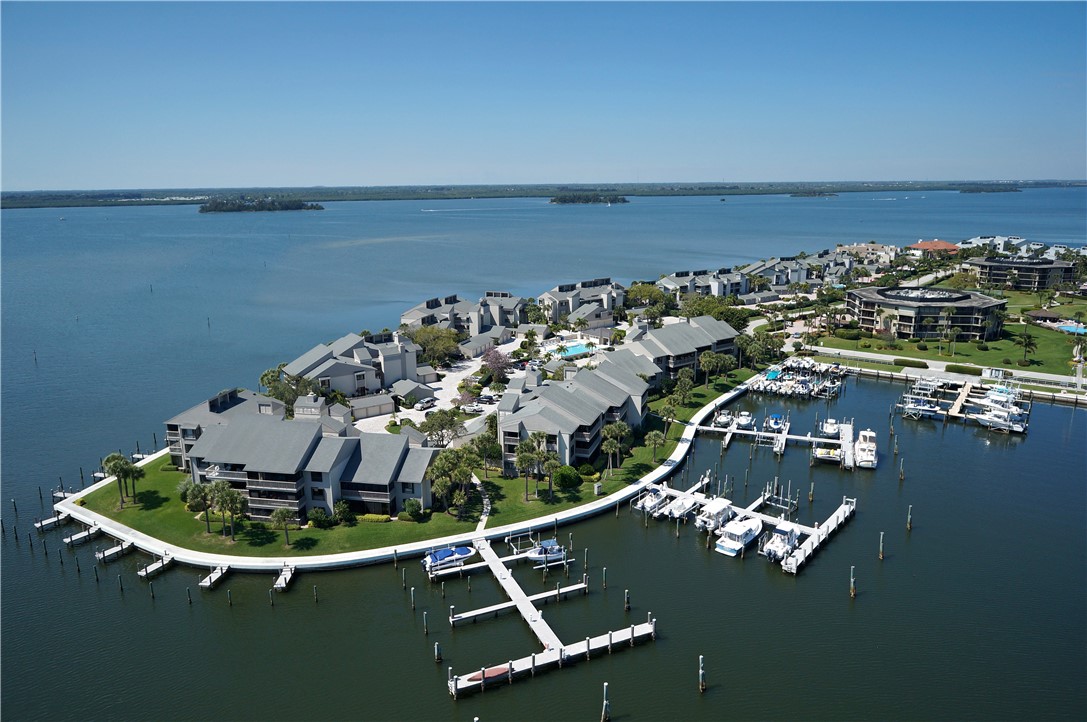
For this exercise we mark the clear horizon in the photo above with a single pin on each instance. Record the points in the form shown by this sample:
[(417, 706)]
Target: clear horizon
[(117, 96)]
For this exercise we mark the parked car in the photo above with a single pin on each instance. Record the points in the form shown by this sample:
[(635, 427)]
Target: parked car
[(486, 399), (472, 409), (426, 403)]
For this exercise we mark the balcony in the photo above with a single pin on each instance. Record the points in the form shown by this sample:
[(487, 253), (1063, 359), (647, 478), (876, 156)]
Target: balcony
[(273, 485), (214, 473), (373, 496), (296, 504)]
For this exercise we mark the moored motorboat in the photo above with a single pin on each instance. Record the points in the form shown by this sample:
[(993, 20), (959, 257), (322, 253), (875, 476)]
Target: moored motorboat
[(653, 499), (445, 558), (737, 534), (775, 423), (829, 428), (830, 454), (547, 550), (744, 420), (715, 514), (864, 450), (782, 541), (723, 419), (1001, 420)]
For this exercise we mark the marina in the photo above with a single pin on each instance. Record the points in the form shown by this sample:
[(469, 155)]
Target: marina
[(997, 407), (1011, 646)]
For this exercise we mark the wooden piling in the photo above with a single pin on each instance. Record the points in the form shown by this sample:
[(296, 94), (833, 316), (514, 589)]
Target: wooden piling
[(587, 649), (438, 653), (413, 599), (151, 587), (120, 585), (96, 575), (395, 561), (909, 518), (701, 674), (229, 599), (605, 572), (404, 578), (852, 583), (901, 469), (605, 713), (426, 630), (188, 594), (315, 601), (443, 590), (271, 598), (881, 546)]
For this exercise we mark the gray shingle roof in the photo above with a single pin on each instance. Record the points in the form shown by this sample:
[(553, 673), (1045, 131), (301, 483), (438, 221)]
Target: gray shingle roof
[(308, 360), (415, 466), (328, 450), (259, 443)]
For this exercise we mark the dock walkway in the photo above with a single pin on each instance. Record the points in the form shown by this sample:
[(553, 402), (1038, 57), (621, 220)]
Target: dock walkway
[(114, 552), (845, 436), (83, 536), (155, 567), (532, 616), (214, 578), (52, 521)]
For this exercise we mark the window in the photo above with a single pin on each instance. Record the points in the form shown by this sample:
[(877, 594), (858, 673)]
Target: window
[(316, 476), (324, 382), (264, 409), (317, 494), (408, 488)]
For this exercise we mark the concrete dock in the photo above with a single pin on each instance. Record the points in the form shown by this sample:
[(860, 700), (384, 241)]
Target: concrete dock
[(115, 552), (214, 578), (155, 567)]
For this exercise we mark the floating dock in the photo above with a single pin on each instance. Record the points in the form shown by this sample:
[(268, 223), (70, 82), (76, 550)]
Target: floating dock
[(155, 567), (114, 552), (84, 536), (51, 522), (214, 578), (284, 579)]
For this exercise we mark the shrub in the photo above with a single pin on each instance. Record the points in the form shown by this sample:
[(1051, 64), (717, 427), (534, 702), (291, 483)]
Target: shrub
[(848, 334), (911, 362), (922, 346), (320, 518), (413, 508), (183, 490), (404, 516), (567, 477), (866, 344), (1022, 362), (914, 340), (1006, 361), (168, 467), (981, 346), (586, 470), (960, 369), (375, 518), (343, 513)]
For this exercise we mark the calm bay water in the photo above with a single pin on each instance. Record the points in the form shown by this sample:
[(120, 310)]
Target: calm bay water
[(134, 314)]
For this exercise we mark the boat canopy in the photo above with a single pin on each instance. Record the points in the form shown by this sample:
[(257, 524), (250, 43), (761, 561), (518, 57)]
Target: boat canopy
[(716, 506)]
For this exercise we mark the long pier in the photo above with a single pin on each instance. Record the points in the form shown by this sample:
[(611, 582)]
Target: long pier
[(555, 652), (52, 521), (84, 536), (806, 550)]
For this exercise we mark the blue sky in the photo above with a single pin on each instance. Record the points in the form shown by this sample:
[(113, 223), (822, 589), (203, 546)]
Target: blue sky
[(175, 95)]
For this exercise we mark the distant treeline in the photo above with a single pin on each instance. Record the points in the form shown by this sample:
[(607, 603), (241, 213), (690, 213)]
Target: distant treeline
[(568, 198), (237, 205), (142, 197)]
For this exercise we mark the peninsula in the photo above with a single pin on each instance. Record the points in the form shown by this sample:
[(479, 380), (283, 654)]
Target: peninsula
[(576, 198)]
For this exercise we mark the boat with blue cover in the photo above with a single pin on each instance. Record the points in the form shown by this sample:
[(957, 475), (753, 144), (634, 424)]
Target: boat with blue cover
[(448, 557)]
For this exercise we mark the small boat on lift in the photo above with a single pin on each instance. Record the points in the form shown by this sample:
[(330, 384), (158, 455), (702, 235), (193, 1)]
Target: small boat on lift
[(829, 454), (744, 420), (775, 423), (654, 498), (723, 419), (445, 558), (782, 542), (715, 514), (548, 550), (829, 428)]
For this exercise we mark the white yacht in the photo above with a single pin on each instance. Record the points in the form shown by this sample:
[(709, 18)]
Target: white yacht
[(744, 420), (916, 407), (1001, 420), (737, 534), (782, 542), (723, 419), (864, 450), (680, 507), (775, 423), (829, 428)]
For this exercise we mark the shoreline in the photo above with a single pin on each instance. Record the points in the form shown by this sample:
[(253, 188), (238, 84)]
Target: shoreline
[(344, 560)]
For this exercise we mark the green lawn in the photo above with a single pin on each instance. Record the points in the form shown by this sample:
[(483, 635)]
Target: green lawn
[(1053, 356), (160, 514)]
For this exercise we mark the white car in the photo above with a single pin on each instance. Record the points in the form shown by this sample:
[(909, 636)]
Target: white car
[(472, 409), (425, 403)]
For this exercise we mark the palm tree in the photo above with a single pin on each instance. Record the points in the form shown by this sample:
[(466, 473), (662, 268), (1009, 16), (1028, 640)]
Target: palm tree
[(235, 504), (488, 448), (561, 349), (668, 414), (551, 466), (281, 517), (709, 362), (727, 364), (525, 460), (220, 491), (1027, 341), (609, 447), (119, 465), (955, 333), (654, 439), (201, 493), (116, 465)]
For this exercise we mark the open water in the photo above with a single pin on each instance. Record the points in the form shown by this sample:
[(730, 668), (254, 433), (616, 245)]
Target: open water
[(116, 319)]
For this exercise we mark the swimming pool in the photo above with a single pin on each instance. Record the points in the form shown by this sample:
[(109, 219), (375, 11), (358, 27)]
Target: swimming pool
[(1071, 328), (577, 349)]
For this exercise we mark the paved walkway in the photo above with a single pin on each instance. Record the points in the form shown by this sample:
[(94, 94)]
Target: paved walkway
[(209, 560)]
